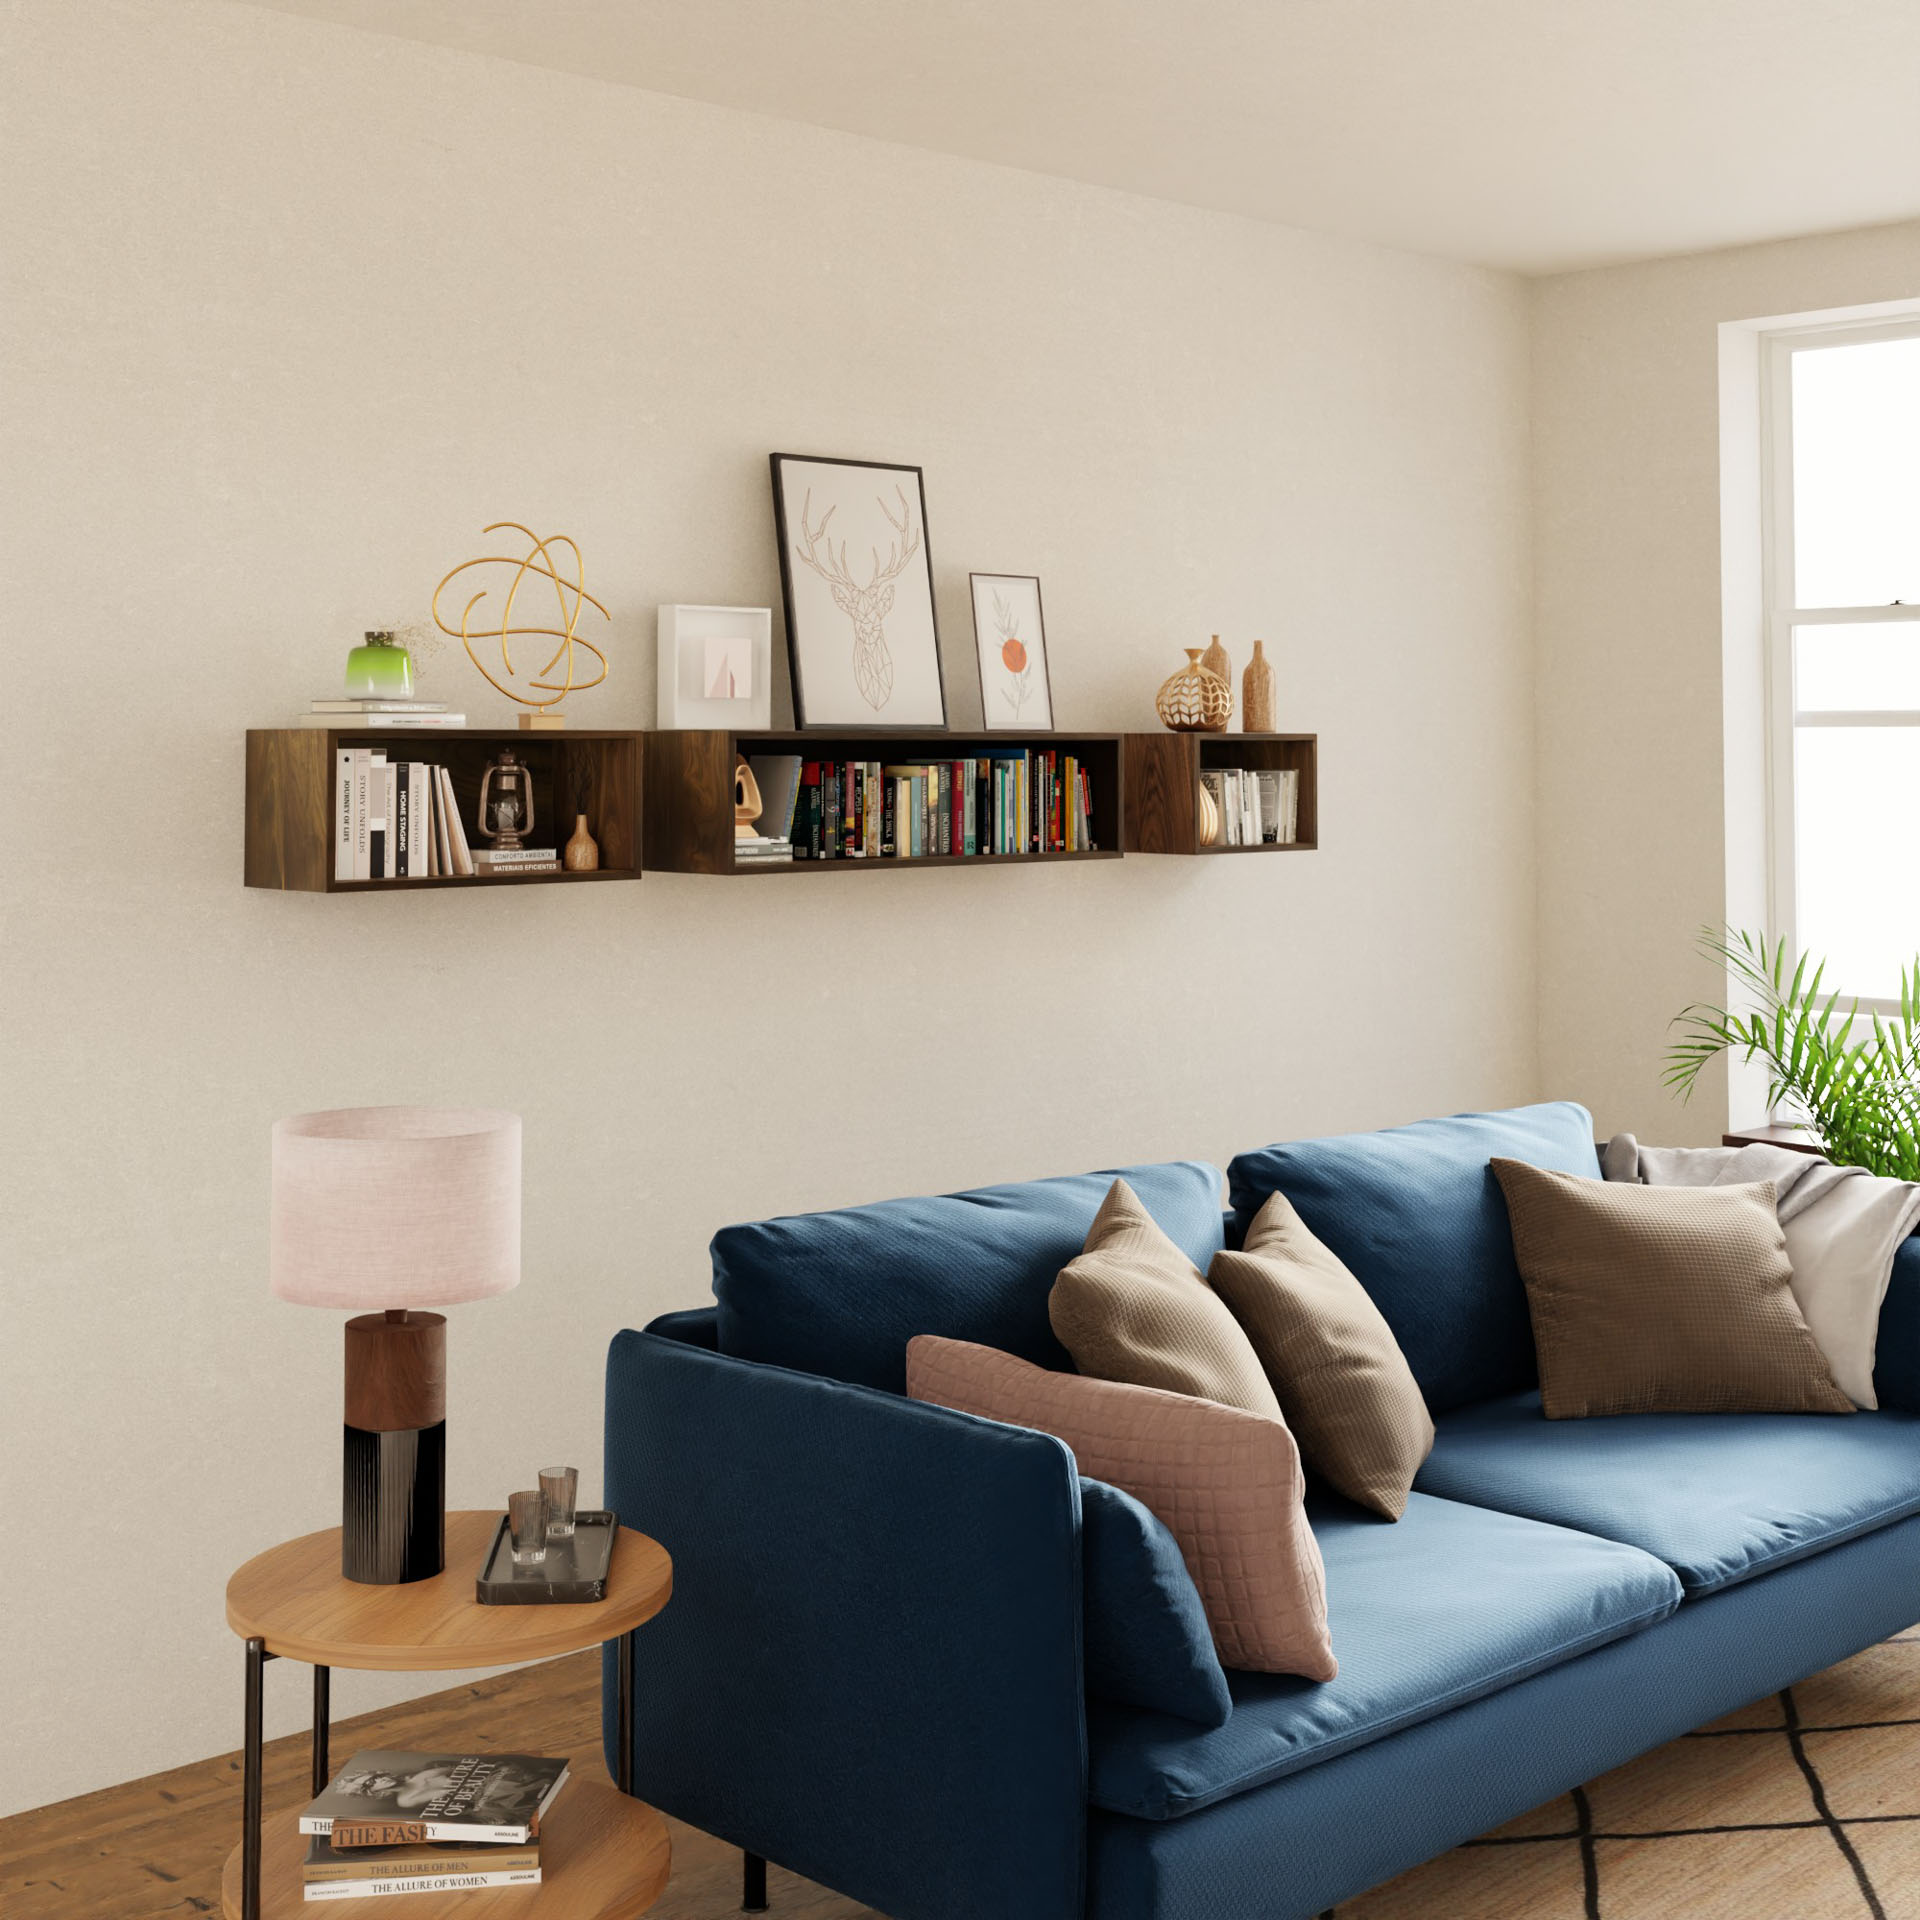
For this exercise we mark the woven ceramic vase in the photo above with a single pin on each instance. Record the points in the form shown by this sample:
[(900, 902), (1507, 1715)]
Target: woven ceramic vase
[(1194, 700), (1256, 693)]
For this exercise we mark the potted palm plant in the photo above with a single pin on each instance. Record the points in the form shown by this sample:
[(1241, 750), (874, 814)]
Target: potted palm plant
[(1853, 1077)]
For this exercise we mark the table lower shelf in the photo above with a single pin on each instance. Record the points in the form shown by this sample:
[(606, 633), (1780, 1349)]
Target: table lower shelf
[(603, 1856)]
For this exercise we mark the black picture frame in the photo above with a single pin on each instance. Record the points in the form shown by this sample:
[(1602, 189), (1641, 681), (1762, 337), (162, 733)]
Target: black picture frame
[(798, 642), (979, 654)]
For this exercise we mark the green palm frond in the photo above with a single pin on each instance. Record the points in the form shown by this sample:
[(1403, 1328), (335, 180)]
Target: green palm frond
[(1854, 1078)]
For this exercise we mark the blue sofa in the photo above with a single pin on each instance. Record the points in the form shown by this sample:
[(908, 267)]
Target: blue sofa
[(890, 1659)]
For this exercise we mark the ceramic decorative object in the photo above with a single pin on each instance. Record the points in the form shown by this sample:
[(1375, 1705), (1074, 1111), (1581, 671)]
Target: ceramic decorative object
[(535, 687), (505, 811), (582, 853), (1256, 693), (1217, 662), (1194, 700), (380, 668), (1209, 817), (747, 803)]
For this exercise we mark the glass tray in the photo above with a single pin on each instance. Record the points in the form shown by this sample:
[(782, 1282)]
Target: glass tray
[(574, 1571)]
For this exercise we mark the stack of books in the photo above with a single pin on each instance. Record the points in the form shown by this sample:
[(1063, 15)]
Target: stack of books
[(1008, 800), (381, 713), (1258, 806), (517, 860), (397, 820), (428, 1823)]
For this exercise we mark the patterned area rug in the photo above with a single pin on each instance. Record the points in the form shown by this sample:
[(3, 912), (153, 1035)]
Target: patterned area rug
[(1805, 1806)]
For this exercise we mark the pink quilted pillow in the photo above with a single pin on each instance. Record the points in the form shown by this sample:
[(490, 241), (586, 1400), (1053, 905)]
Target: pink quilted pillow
[(1227, 1483)]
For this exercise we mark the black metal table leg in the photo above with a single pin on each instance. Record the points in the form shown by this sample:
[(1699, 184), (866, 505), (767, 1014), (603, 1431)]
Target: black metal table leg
[(322, 1719), (753, 1884), (623, 1755), (250, 1789)]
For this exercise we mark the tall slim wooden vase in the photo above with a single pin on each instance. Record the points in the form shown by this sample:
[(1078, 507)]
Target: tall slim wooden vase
[(1256, 693)]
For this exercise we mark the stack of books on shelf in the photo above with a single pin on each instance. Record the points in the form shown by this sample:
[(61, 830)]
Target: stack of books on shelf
[(397, 820), (1258, 806), (428, 1823), (381, 713), (997, 800)]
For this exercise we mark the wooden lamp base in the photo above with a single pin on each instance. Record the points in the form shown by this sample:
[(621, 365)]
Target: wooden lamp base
[(393, 1481)]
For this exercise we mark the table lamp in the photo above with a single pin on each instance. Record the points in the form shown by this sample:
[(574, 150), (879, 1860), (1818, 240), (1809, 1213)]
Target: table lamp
[(400, 1209)]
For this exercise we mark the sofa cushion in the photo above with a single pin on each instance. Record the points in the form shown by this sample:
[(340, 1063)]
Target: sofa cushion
[(1131, 1306), (1445, 1606), (842, 1293), (1416, 1213), (1147, 1639), (1344, 1387), (1719, 1497), (1227, 1483)]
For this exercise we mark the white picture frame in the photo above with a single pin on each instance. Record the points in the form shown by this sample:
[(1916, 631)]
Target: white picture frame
[(862, 637), (1010, 640), (686, 643)]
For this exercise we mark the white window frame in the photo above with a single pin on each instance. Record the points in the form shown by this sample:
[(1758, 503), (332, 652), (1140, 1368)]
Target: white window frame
[(1781, 616)]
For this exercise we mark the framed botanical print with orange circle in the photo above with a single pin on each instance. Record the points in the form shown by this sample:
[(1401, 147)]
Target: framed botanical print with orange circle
[(1016, 695)]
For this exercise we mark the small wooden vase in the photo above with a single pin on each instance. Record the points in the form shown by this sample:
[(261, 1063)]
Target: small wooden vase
[(582, 852), (1218, 662), (1209, 816), (1194, 700), (1256, 693)]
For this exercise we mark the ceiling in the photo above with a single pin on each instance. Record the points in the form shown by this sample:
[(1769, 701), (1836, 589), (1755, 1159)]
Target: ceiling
[(1538, 135)]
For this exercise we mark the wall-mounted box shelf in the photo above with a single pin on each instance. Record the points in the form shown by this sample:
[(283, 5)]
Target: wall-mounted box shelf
[(1163, 786), (290, 812), (689, 792)]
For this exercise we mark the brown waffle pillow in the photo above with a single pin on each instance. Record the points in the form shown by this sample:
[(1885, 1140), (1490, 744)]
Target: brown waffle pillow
[(1342, 1381), (1661, 1299), (1227, 1483), (1132, 1307)]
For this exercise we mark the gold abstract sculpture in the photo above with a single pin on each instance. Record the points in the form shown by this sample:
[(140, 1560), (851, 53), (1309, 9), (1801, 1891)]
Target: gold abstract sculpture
[(1194, 700), (539, 559)]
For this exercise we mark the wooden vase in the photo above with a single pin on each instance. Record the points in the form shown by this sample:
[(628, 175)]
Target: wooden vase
[(1194, 700), (1209, 816), (1218, 663), (1256, 693), (582, 853)]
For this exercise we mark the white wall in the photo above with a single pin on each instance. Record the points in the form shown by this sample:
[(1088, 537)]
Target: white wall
[(1632, 799), (291, 312)]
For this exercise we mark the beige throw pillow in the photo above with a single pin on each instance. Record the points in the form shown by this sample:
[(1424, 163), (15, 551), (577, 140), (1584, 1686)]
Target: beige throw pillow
[(1132, 1307), (1343, 1384), (1661, 1299), (1227, 1483)]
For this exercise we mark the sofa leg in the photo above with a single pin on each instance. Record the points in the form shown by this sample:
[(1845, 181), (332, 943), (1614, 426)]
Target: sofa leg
[(753, 1889)]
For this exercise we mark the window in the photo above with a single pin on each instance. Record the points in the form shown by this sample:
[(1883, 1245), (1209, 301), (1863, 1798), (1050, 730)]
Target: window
[(1842, 606)]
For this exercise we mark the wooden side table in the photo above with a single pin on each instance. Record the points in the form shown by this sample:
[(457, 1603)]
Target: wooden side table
[(603, 1855)]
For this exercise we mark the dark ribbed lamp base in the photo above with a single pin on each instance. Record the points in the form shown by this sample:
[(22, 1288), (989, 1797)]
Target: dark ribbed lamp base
[(393, 1505)]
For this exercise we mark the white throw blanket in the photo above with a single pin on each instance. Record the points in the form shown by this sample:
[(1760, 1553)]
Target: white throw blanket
[(1843, 1227)]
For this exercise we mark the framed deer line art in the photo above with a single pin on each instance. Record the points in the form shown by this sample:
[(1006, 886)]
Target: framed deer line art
[(1010, 640), (862, 640)]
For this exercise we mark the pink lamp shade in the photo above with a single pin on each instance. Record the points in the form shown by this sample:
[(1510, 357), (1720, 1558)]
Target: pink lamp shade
[(395, 1207)]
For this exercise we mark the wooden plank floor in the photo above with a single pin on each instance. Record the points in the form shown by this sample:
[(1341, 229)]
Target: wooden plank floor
[(153, 1849)]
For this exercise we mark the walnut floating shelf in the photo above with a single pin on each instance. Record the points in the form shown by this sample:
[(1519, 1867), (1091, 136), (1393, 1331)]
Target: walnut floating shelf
[(290, 791), (689, 792), (1163, 787)]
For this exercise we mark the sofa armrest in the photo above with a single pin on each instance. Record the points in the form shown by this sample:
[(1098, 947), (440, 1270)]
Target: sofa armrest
[(870, 1670), (1896, 1357)]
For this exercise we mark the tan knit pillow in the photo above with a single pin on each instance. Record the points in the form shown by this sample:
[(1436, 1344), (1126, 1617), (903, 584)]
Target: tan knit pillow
[(1661, 1299), (1344, 1385), (1227, 1484), (1131, 1306)]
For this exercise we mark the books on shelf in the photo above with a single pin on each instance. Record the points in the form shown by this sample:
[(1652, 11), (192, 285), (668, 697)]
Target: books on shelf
[(351, 707), (420, 1799), (517, 860), (1259, 806), (1001, 800), (331, 1872), (361, 721), (396, 820)]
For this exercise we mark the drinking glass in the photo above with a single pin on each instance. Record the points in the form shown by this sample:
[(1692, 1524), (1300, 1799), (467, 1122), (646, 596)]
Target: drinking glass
[(559, 1486), (527, 1517)]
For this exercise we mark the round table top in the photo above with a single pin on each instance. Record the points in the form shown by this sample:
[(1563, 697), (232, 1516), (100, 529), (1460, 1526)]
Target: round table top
[(295, 1599)]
